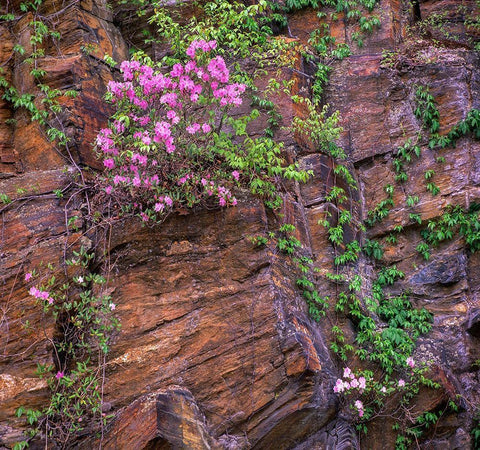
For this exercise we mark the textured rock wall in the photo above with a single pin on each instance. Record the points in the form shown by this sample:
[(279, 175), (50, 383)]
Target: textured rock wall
[(216, 349)]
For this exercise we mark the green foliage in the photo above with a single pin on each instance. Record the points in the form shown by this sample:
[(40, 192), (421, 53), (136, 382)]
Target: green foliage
[(83, 312), (259, 241), (381, 209), (373, 249), (455, 220), (476, 430), (288, 244), (424, 250), (237, 28), (319, 127), (415, 218), (427, 109), (5, 199), (412, 200), (350, 254), (294, 5)]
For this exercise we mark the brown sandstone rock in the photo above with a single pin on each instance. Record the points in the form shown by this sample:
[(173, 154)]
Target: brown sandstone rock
[(216, 349)]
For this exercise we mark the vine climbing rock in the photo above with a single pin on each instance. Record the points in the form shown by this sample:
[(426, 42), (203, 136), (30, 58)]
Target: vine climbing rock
[(217, 349)]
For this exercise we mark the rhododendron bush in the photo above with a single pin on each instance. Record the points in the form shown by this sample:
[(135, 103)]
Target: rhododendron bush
[(172, 144)]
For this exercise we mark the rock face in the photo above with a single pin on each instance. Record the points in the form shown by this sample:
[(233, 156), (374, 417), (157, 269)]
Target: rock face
[(216, 349)]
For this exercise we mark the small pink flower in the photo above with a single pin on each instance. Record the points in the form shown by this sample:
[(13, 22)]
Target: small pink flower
[(339, 386), (347, 373), (401, 383), (33, 291), (410, 362), (28, 275), (193, 128), (109, 163), (383, 390), (359, 406), (59, 375), (236, 174), (109, 190), (112, 306), (206, 128), (362, 382)]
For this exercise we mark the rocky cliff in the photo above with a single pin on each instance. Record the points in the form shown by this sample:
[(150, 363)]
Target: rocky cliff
[(216, 347)]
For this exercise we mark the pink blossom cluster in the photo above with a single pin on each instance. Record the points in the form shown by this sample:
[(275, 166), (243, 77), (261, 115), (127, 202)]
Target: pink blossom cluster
[(147, 148), (41, 295), (105, 142), (162, 202), (200, 45), (359, 406), (223, 194), (350, 381)]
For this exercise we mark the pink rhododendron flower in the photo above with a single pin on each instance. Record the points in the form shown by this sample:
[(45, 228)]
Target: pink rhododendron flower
[(109, 163), (339, 386), (193, 128), (362, 383), (137, 151), (177, 70), (33, 291), (359, 405)]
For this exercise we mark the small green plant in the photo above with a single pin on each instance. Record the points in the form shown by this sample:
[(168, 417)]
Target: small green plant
[(412, 200), (455, 220), (289, 243), (415, 218), (381, 209), (426, 109), (373, 249), (5, 199), (424, 250), (259, 241), (84, 314)]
